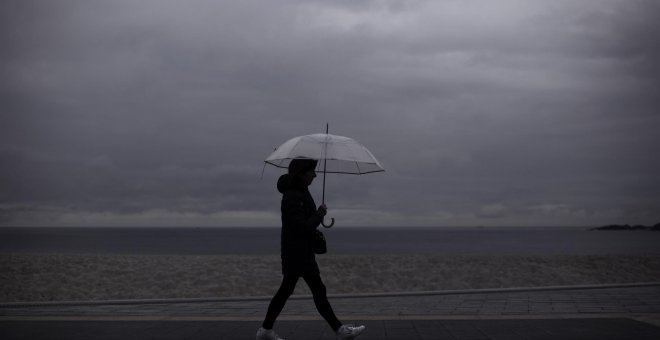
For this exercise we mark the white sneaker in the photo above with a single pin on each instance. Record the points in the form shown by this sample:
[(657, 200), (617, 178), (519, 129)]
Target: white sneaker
[(349, 331), (267, 334)]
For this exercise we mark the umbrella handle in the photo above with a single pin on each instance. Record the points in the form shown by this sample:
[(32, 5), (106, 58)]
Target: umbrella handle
[(332, 222)]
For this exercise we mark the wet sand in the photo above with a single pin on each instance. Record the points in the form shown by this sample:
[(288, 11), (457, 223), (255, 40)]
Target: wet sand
[(53, 277)]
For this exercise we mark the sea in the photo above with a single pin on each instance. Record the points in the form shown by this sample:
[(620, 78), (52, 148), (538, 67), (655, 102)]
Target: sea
[(341, 241)]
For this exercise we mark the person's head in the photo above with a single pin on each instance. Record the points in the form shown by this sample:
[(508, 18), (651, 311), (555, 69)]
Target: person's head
[(303, 170)]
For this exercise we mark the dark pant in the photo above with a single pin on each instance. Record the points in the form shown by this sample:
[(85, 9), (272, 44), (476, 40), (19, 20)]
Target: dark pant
[(318, 292)]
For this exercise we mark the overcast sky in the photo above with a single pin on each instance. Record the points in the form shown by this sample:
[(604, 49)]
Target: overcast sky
[(484, 113)]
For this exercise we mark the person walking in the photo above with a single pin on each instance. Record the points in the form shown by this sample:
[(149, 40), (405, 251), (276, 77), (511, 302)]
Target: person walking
[(300, 218)]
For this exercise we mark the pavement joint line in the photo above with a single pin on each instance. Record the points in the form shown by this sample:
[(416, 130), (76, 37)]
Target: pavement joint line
[(331, 296), (318, 318)]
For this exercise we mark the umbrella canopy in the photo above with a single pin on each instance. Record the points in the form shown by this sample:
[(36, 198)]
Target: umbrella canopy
[(340, 154)]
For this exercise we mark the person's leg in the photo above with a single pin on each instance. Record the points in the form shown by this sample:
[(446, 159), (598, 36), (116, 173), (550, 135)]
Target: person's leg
[(321, 300), (279, 300)]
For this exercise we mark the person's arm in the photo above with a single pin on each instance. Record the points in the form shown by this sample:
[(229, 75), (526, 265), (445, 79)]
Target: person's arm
[(292, 208)]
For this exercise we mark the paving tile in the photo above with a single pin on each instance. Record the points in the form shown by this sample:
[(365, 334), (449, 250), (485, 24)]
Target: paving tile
[(639, 300), (602, 329)]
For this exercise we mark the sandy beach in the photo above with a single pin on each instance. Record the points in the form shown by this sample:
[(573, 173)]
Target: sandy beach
[(51, 277)]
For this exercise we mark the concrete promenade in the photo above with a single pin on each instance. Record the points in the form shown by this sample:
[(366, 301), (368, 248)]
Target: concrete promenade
[(581, 312)]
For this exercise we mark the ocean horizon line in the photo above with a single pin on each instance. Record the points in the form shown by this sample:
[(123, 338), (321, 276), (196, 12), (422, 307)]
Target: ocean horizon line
[(277, 227)]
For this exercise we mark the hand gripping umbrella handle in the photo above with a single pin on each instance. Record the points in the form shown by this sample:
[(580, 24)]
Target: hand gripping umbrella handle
[(332, 222)]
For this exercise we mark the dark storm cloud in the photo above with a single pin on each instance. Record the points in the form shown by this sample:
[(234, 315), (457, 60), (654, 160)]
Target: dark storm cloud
[(483, 113)]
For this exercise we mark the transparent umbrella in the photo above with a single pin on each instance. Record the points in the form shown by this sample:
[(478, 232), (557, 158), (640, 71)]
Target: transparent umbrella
[(340, 155)]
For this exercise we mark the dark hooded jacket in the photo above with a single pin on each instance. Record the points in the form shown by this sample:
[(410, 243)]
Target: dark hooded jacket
[(299, 223)]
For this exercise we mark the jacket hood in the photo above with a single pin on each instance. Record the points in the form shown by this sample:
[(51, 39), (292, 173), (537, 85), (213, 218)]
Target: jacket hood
[(300, 165), (287, 182), (283, 183)]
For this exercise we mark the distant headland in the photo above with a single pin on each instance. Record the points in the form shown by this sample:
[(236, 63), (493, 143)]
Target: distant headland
[(628, 227)]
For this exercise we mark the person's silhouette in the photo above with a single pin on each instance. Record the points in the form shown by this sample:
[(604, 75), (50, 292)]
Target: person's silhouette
[(300, 218)]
